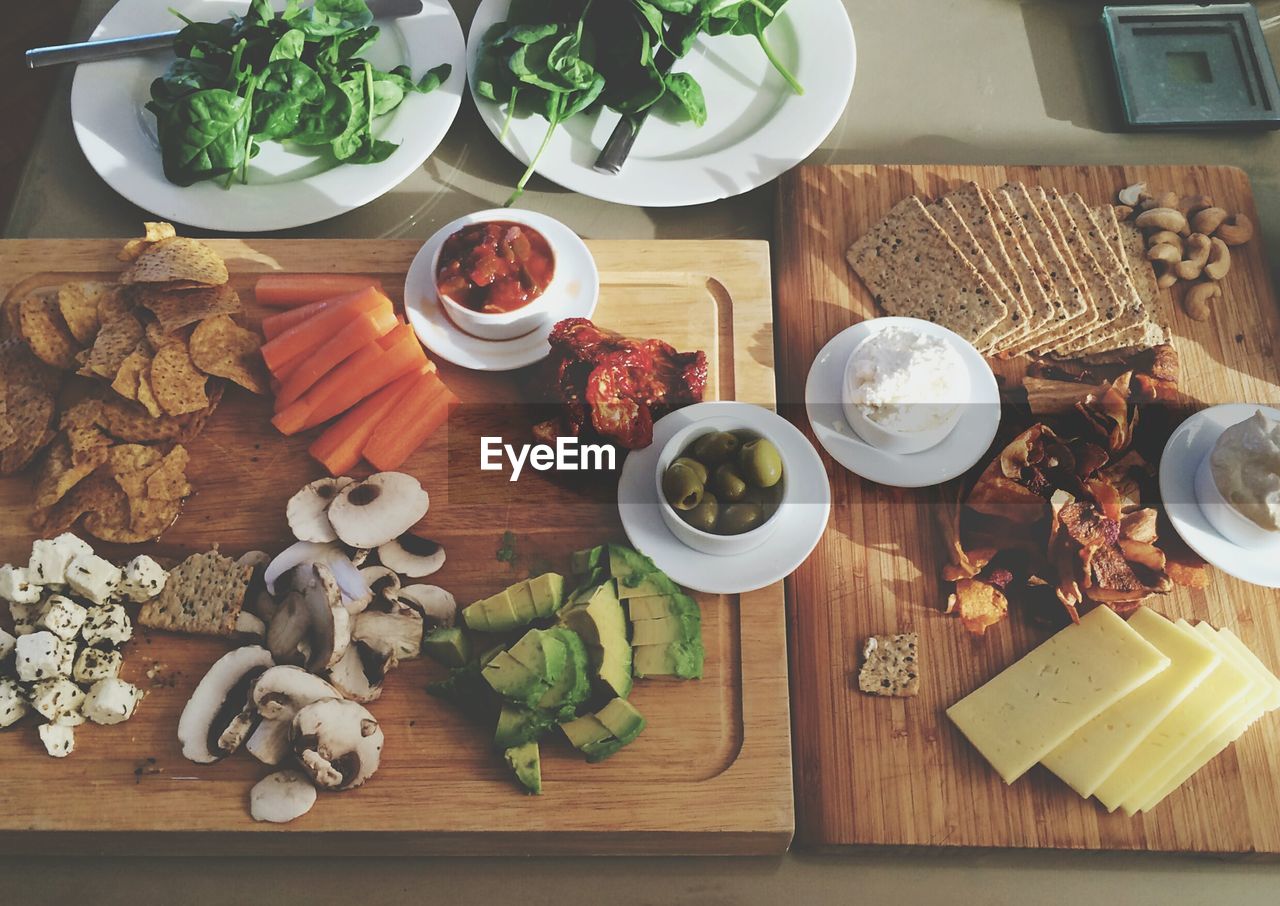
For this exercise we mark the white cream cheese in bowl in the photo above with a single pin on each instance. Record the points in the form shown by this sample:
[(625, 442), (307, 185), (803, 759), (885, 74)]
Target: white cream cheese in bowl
[(904, 389), (1238, 483)]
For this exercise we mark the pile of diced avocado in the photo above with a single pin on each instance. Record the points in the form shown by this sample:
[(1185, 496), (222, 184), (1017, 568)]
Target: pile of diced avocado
[(535, 656)]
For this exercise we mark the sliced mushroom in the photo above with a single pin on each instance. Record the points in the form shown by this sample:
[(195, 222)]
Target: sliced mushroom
[(383, 583), (437, 606), (412, 556), (311, 628), (281, 797), (257, 600), (331, 555), (395, 632), (358, 675), (269, 741), (384, 506), (338, 743), (250, 626), (213, 716), (282, 691), (308, 510)]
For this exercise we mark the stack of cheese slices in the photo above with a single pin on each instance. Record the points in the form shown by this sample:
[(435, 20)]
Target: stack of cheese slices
[(1125, 712), (1016, 270)]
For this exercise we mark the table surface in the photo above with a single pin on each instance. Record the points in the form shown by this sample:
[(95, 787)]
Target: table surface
[(940, 81)]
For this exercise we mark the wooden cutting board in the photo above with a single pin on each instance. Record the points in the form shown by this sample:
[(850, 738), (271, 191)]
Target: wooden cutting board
[(895, 771), (710, 774)]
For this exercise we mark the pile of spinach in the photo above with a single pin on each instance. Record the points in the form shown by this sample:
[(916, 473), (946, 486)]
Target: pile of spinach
[(558, 57), (294, 76)]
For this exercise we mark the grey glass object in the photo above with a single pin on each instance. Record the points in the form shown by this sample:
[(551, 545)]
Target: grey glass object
[(1186, 66)]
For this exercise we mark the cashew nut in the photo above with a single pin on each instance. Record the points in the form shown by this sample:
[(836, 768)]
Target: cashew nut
[(1219, 259), (1196, 301), (1165, 277), (1235, 230), (1169, 254), (1169, 219), (1195, 254), (1159, 200), (1164, 237), (1207, 221), (1123, 212), (1190, 205), (1129, 196)]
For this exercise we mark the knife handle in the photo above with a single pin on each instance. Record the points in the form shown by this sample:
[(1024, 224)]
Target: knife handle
[(614, 153), (92, 51)]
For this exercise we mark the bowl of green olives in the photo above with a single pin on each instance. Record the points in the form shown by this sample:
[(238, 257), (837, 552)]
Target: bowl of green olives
[(720, 487)]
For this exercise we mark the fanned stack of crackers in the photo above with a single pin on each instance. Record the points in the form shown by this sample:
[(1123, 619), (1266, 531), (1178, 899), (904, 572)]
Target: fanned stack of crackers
[(1018, 270), (111, 379)]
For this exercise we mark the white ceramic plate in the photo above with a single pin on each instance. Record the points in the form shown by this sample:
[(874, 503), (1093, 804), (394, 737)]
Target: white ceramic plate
[(576, 279), (757, 128), (1186, 449), (964, 446), (791, 542), (287, 187)]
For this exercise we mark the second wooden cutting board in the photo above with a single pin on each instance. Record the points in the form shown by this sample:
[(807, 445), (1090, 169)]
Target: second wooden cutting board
[(895, 771)]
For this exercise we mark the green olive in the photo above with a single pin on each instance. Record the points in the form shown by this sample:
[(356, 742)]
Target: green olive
[(697, 467), (728, 483), (681, 486), (737, 518), (704, 515), (716, 447), (761, 463)]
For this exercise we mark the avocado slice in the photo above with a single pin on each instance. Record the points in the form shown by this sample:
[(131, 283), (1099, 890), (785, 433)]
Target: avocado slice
[(513, 680), (600, 622), (683, 659), (637, 575), (664, 630), (602, 734), (542, 653), (585, 561), (518, 605), (450, 646), (522, 602), (574, 684), (655, 607), (547, 592), (586, 731), (622, 719), (493, 614), (525, 762), (517, 725)]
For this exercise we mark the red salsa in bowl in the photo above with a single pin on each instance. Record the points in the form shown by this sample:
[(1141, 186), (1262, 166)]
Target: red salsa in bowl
[(495, 267)]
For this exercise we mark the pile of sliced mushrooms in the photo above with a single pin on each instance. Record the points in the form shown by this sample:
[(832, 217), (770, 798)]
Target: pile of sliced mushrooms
[(1189, 239), (337, 611)]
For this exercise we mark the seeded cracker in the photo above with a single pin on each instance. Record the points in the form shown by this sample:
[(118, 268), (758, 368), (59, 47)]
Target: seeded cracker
[(890, 666), (203, 596)]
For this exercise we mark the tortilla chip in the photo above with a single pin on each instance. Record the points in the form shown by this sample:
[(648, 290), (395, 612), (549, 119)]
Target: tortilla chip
[(94, 494), (88, 445), (114, 304), (157, 336), (169, 481), (58, 473), (978, 604), (154, 233), (147, 393), (153, 484), (177, 260), (175, 309), (127, 378), (221, 347), (115, 342), (111, 519), (46, 332), (177, 385), (79, 303), (28, 390)]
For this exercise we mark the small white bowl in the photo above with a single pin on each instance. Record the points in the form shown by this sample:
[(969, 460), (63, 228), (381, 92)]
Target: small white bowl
[(707, 542), (1233, 525), (888, 439), (565, 246)]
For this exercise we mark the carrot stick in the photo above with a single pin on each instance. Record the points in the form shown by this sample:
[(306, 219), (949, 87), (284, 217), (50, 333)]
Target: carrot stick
[(290, 290), (274, 325), (338, 448), (364, 329), (304, 338), (408, 425)]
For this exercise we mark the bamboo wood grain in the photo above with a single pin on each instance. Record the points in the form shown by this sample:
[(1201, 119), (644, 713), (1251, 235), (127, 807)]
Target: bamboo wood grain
[(894, 771), (710, 774)]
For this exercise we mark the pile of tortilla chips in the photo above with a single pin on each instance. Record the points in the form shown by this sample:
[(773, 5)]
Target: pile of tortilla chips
[(145, 361), (1062, 519)]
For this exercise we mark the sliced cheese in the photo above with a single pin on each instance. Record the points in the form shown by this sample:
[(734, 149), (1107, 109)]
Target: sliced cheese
[(1024, 713), (1258, 702), (1177, 734), (1094, 751)]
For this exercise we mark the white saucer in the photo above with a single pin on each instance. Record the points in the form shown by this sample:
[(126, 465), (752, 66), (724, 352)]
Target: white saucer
[(789, 545), (964, 446), (576, 299), (1186, 449)]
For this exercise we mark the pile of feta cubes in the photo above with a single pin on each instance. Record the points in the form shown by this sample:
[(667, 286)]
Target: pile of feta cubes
[(63, 658)]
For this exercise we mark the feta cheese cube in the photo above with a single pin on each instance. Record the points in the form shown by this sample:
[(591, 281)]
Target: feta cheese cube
[(143, 579), (59, 741), (93, 577), (7, 644), (95, 664), (62, 616), (59, 701), (39, 656), (24, 617), (13, 705), (111, 701), (49, 558), (107, 624), (16, 585)]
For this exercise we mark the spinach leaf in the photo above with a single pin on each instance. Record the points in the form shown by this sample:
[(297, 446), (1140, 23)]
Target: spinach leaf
[(289, 47), (685, 89), (754, 17), (284, 88), (320, 124), (204, 135), (333, 17)]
